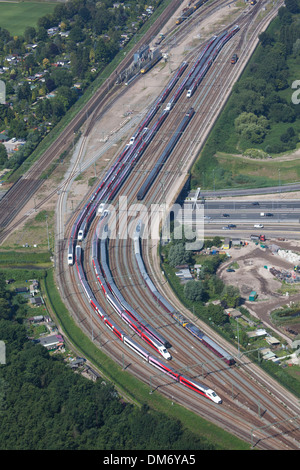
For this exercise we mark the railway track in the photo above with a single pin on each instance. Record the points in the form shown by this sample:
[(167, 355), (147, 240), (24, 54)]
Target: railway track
[(24, 189), (240, 390), (247, 404)]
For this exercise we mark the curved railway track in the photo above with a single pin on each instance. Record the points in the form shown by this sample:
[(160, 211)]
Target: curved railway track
[(24, 189), (245, 402), (252, 408)]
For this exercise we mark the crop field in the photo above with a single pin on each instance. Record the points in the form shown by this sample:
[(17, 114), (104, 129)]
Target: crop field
[(15, 17)]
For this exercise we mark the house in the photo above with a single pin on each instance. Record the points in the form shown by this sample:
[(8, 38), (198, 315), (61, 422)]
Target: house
[(52, 31), (236, 242), (52, 342), (37, 301), (268, 355), (21, 290), (184, 273), (232, 312), (272, 341), (33, 288), (36, 319), (257, 333)]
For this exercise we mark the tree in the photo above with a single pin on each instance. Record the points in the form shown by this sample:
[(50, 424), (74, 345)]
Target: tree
[(5, 310), (193, 290), (292, 6), (230, 296), (215, 285), (29, 34), (3, 155), (251, 127), (178, 255), (265, 39), (217, 315)]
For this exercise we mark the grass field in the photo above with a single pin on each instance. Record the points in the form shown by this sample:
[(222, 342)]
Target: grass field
[(15, 17)]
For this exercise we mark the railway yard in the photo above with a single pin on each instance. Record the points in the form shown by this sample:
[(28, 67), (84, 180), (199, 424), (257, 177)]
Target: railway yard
[(254, 407)]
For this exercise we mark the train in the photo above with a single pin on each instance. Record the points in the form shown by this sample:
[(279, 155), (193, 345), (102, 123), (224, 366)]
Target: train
[(209, 55), (86, 215), (133, 345), (178, 317), (165, 155), (113, 296), (186, 14), (116, 299), (151, 64)]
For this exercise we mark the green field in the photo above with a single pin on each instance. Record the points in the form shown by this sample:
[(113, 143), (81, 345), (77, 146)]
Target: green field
[(15, 17)]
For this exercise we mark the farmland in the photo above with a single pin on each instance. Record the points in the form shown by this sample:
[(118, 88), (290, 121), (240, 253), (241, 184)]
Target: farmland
[(15, 17)]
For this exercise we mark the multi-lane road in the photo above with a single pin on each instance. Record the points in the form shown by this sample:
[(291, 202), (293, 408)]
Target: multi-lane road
[(281, 214), (245, 389)]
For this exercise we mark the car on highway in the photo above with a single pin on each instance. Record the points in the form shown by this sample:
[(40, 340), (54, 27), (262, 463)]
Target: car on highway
[(255, 203), (225, 215), (226, 228), (258, 226), (207, 217), (231, 226), (268, 214)]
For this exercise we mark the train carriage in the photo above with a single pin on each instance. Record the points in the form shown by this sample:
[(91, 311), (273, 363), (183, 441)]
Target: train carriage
[(209, 343), (199, 388)]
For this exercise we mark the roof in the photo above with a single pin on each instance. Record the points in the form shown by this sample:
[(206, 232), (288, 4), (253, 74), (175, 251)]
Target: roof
[(52, 340), (272, 340)]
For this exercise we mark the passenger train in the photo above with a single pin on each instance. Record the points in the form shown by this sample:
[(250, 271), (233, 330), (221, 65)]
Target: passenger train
[(193, 329), (106, 191), (114, 296), (133, 345)]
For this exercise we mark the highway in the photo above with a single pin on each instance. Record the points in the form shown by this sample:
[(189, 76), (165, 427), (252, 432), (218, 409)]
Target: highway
[(224, 212), (244, 389)]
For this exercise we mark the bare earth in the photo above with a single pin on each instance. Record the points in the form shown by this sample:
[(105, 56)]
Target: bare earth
[(113, 131), (253, 274)]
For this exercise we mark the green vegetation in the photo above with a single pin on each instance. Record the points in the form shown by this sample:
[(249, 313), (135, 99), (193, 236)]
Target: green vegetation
[(286, 315), (53, 68), (45, 405), (260, 119), (16, 17), (199, 294)]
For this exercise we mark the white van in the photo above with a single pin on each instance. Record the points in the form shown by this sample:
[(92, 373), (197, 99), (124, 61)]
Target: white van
[(262, 214)]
